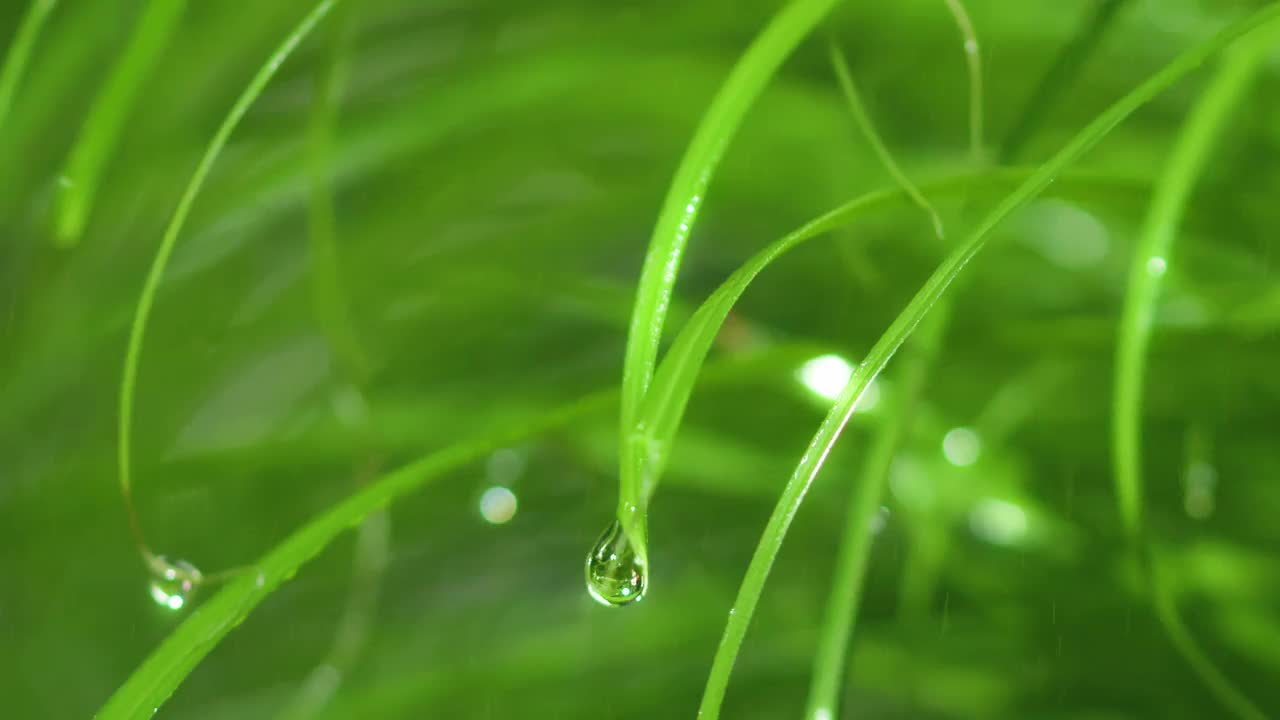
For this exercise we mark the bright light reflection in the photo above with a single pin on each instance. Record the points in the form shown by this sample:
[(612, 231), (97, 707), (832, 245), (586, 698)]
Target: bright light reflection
[(961, 446), (998, 521), (822, 714), (826, 375), (1156, 266), (498, 505)]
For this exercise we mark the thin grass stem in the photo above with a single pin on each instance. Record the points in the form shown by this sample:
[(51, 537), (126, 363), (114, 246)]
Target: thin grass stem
[(1152, 256), (973, 66), (868, 129), (133, 353)]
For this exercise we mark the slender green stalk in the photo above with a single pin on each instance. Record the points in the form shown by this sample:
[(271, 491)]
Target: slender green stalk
[(1059, 77), (1152, 254), (675, 222), (15, 61), (1150, 263), (864, 503), (814, 456), (137, 331), (79, 180), (973, 63), (868, 129)]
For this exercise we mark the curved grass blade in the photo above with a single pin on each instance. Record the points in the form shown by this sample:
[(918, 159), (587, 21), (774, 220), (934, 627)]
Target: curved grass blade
[(15, 61), (156, 679), (1150, 262), (814, 456), (138, 329), (675, 222), (98, 136), (855, 545), (868, 129)]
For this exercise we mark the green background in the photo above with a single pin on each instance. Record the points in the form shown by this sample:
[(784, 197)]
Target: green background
[(497, 170)]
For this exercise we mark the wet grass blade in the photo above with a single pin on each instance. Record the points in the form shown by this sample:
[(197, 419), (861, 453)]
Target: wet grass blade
[(676, 221), (92, 149), (15, 61), (1152, 255), (814, 456), (156, 679), (138, 329)]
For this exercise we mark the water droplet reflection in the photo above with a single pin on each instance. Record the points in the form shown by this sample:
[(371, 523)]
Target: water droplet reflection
[(173, 583), (498, 505), (615, 573)]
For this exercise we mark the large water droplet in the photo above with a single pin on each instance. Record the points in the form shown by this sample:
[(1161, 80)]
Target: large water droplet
[(173, 583), (615, 574)]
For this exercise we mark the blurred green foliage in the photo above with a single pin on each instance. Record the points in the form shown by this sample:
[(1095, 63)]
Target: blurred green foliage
[(496, 170)]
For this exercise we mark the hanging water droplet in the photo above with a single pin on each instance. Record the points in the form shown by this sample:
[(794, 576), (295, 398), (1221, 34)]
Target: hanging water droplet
[(615, 573), (173, 583)]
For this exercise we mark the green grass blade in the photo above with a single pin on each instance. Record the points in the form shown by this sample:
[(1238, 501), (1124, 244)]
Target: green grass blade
[(137, 331), (1150, 262), (98, 136), (156, 679), (814, 456), (1152, 254), (676, 220), (868, 129), (15, 61), (864, 503)]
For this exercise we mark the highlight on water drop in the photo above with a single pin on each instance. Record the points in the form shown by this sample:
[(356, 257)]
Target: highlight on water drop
[(173, 583), (615, 573)]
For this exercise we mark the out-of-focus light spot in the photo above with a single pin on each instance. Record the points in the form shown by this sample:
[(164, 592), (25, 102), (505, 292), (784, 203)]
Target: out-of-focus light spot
[(822, 714), (350, 406), (826, 375), (870, 397), (961, 446), (505, 466), (1201, 481), (909, 483), (879, 520), (1067, 235), (498, 505), (1156, 266), (998, 521)]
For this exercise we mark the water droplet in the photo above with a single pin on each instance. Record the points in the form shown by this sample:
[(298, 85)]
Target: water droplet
[(173, 583), (615, 574)]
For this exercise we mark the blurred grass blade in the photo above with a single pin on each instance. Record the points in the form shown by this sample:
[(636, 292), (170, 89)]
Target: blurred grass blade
[(156, 679), (329, 298), (863, 121), (138, 329), (676, 220), (855, 544), (1059, 77), (1151, 259), (92, 150), (1152, 255), (814, 456), (15, 60)]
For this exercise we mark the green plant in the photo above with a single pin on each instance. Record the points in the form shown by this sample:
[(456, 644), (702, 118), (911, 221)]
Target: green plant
[(408, 259)]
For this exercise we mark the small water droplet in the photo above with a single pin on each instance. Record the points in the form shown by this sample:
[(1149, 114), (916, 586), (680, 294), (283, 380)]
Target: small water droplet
[(615, 574), (173, 583)]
